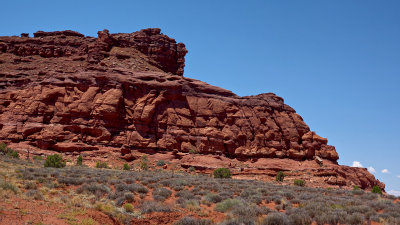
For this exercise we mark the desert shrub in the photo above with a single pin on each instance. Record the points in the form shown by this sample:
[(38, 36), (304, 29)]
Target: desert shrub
[(160, 194), (316, 208), (126, 167), (101, 165), (107, 209), (357, 191), (35, 194), (247, 193), (129, 197), (377, 205), (191, 205), (331, 217), (222, 173), (37, 157), (300, 183), (121, 187), (225, 194), (357, 209), (55, 161), (371, 214), (246, 214), (276, 219), (306, 196), (137, 188), (191, 169), (93, 188), (128, 207), (226, 205), (192, 221), (299, 216), (8, 186), (288, 195), (160, 163), (70, 181), (12, 153), (152, 206), (8, 151), (79, 160), (3, 147), (376, 190), (356, 187), (355, 219), (30, 185), (144, 163), (214, 198), (186, 194), (119, 201), (237, 221), (128, 181), (280, 176), (277, 199)]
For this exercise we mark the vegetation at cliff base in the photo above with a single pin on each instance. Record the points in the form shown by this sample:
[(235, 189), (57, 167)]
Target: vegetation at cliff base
[(55, 161), (136, 196), (222, 173)]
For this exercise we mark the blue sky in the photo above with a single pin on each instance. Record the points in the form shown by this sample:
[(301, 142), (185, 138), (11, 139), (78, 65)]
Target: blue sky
[(337, 63)]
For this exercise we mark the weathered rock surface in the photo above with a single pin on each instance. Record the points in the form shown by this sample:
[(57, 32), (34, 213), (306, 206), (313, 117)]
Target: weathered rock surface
[(65, 92)]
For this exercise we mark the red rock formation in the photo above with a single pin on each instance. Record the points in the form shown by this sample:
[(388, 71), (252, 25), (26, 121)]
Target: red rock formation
[(160, 50), (65, 92)]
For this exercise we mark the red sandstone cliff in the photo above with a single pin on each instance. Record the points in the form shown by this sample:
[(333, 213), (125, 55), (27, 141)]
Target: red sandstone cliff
[(66, 92)]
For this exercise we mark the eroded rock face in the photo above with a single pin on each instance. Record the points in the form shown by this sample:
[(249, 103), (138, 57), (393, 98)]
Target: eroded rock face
[(65, 92), (160, 51), (159, 112)]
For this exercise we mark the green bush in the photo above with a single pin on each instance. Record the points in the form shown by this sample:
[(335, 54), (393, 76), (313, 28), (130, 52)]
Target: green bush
[(280, 176), (126, 167), (222, 173), (376, 190), (3, 147), (192, 169), (160, 163), (8, 151), (101, 165), (301, 183), (128, 207), (79, 160), (12, 153), (55, 161), (356, 188)]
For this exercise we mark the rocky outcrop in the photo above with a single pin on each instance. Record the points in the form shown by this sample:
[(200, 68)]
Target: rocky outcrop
[(160, 51), (65, 92)]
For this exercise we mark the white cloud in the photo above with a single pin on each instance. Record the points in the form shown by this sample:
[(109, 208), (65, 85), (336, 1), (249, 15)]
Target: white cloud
[(394, 192), (357, 164), (398, 176), (371, 169), (385, 171)]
